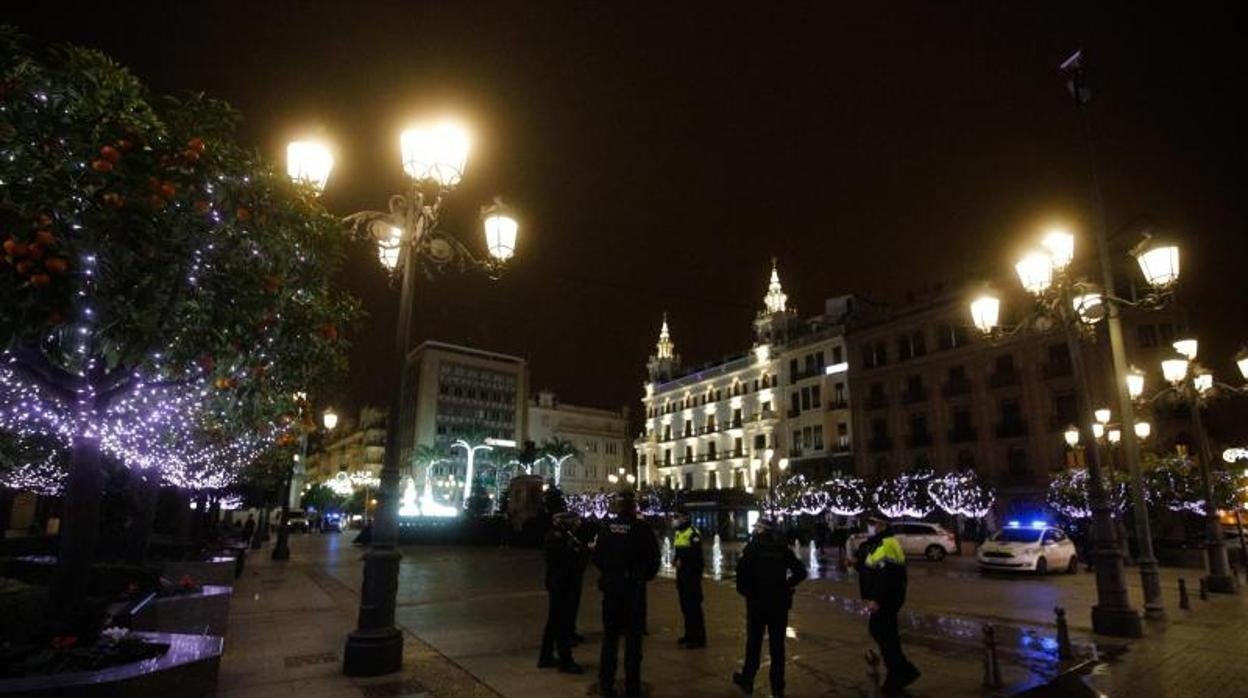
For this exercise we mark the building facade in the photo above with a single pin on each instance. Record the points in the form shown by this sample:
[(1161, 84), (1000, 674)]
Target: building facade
[(600, 437), (451, 393), (357, 445), (784, 403), (933, 392)]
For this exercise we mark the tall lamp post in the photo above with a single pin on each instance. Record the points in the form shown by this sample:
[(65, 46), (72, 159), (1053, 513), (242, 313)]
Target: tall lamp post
[(1193, 386), (1076, 306), (293, 487), (433, 158)]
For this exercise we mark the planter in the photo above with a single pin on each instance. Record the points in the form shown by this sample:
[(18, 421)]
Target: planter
[(217, 571), (206, 612), (187, 670)]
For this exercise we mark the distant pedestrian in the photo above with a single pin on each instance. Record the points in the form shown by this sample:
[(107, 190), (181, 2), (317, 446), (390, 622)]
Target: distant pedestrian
[(627, 554), (249, 527), (882, 581), (563, 553), (767, 574), (687, 545)]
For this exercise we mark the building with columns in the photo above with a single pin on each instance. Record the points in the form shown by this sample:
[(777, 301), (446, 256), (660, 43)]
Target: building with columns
[(737, 423)]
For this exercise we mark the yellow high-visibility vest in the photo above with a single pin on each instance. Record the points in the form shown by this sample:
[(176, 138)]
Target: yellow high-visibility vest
[(889, 551), (684, 539)]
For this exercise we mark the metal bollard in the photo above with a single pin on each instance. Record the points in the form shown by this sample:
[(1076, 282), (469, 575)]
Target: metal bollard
[(1184, 602), (873, 671), (1063, 635), (1204, 591), (992, 669)]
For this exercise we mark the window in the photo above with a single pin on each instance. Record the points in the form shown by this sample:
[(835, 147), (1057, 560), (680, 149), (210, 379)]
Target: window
[(688, 427), (819, 364), (760, 442), (904, 349), (1146, 335), (950, 337), (807, 439), (879, 429), (805, 398), (710, 450), (792, 370), (736, 417), (667, 432), (797, 438), (688, 454), (814, 396), (766, 406), (1011, 412), (737, 447), (711, 480), (1065, 410), (837, 355), (881, 354), (918, 343), (795, 405), (641, 459), (838, 393), (667, 456), (817, 437), (738, 479), (1166, 331), (868, 357), (688, 481)]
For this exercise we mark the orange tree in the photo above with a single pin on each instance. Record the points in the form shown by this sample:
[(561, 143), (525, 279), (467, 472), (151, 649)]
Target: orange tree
[(166, 290)]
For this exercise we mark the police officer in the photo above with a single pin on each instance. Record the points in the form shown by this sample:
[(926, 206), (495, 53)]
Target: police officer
[(628, 556), (585, 533), (882, 581), (767, 574), (563, 559), (687, 543)]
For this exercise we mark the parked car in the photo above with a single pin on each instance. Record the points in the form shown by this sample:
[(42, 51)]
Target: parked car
[(1036, 548), (297, 521), (917, 538)]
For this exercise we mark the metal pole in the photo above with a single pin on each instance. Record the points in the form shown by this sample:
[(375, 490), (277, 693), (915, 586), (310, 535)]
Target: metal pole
[(1220, 580), (375, 647), (281, 549), (1150, 578), (1112, 614)]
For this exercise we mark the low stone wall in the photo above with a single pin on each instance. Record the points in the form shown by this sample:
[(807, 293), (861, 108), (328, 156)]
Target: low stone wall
[(206, 613), (188, 670), (218, 571)]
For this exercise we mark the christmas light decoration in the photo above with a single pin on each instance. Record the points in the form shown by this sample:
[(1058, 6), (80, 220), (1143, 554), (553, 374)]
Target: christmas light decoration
[(1068, 494), (905, 496), (962, 494)]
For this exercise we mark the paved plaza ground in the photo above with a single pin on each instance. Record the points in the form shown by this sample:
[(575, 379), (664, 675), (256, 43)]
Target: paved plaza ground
[(473, 619)]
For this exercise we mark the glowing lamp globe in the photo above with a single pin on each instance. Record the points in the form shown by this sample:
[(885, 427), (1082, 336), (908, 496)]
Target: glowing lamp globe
[(1143, 429), (1071, 435), (501, 230), (1187, 347), (329, 419), (1135, 383), (1203, 382), (1102, 415), (435, 153), (1159, 261), (1114, 435), (389, 243), (1089, 307), (986, 312), (1035, 272), (1174, 370), (309, 162), (784, 463), (1060, 245), (1098, 430), (1241, 360)]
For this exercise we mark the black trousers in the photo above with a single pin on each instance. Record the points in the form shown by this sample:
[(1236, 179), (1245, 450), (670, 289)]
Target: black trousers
[(577, 587), (884, 630), (689, 588), (773, 618), (623, 613), (560, 618)]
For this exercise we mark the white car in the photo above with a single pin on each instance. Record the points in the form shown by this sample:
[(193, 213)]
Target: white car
[(1036, 548), (916, 538)]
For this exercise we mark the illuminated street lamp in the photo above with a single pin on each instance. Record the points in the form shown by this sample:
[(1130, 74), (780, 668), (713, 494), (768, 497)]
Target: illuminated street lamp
[(1071, 435), (986, 312), (329, 419), (1143, 429), (309, 162), (1135, 383), (1114, 435), (1102, 415), (1241, 360), (1159, 261), (1174, 370), (1060, 244), (1035, 272), (1187, 347), (434, 158), (1098, 430)]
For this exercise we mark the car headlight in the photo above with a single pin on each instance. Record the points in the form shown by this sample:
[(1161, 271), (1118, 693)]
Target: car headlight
[(1031, 551)]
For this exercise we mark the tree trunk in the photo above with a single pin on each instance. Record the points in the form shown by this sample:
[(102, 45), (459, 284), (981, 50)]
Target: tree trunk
[(142, 519), (214, 520), (80, 525), (181, 517)]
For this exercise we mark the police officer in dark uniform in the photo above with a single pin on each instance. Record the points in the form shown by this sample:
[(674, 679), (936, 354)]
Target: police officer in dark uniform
[(563, 560), (627, 554), (767, 574), (882, 581), (687, 544), (585, 532)]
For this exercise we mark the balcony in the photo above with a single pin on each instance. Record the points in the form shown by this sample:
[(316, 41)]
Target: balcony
[(736, 424), (1004, 379), (954, 388), (793, 413), (1009, 430), (842, 447), (841, 404), (921, 440), (963, 435), (910, 397), (877, 401), (1058, 369), (880, 444)]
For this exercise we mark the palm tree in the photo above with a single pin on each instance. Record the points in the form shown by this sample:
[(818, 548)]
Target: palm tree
[(426, 457), (558, 451)]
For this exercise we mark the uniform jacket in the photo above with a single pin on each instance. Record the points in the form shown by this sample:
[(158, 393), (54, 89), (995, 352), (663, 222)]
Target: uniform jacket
[(563, 559), (769, 571), (627, 554), (688, 551), (882, 570)]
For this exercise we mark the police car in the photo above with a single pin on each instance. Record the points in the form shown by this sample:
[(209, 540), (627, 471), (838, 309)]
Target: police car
[(1037, 548)]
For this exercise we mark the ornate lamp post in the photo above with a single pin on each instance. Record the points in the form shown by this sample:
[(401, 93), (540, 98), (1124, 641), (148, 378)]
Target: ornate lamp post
[(1076, 306), (296, 474), (434, 159)]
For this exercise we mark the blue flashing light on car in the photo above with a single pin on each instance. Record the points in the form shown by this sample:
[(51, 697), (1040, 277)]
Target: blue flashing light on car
[(1039, 524), (1013, 524)]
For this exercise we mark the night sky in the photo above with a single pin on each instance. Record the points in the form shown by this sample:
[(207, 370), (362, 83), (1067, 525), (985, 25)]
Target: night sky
[(661, 156)]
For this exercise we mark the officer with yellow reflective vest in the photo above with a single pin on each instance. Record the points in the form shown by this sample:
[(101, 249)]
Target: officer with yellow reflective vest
[(687, 545), (882, 582)]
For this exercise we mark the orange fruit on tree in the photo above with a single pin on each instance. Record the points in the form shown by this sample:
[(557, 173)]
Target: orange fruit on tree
[(45, 238), (56, 265), (110, 154), (101, 165), (40, 280)]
